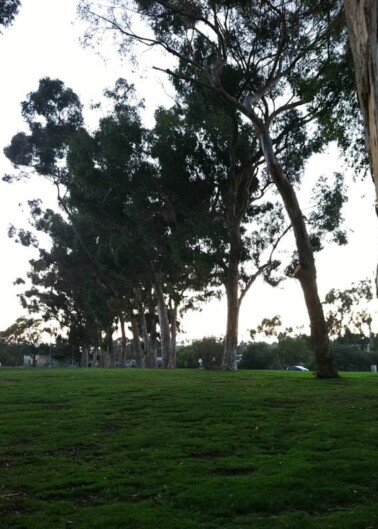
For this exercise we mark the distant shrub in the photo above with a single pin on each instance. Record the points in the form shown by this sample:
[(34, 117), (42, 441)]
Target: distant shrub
[(209, 349), (352, 358), (295, 351), (259, 355)]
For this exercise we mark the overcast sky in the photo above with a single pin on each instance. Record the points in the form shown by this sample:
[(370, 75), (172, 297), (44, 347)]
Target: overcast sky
[(44, 41)]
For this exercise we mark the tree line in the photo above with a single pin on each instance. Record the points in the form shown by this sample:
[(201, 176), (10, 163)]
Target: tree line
[(152, 221)]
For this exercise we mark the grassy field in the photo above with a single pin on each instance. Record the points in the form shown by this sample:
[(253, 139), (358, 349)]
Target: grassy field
[(129, 449)]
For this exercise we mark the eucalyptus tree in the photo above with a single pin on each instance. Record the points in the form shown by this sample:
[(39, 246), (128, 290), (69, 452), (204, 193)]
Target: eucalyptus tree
[(254, 56), (213, 177), (107, 187), (24, 331), (114, 181), (64, 285), (53, 113)]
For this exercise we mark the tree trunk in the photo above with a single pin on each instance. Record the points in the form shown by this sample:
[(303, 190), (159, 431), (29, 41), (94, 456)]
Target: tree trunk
[(122, 360), (110, 347), (306, 269), (173, 322), (361, 18), (152, 360), (229, 360), (84, 356), (136, 340), (165, 334), (143, 324), (102, 357)]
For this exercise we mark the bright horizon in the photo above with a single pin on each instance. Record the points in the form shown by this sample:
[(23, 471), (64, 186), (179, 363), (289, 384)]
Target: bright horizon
[(43, 42)]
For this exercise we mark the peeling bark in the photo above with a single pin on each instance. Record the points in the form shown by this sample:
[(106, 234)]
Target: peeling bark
[(361, 18), (232, 293)]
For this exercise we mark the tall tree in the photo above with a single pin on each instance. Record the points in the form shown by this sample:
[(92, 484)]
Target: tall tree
[(26, 331), (118, 210), (213, 178), (253, 56)]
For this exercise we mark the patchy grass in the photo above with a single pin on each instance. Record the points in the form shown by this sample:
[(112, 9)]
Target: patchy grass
[(90, 449)]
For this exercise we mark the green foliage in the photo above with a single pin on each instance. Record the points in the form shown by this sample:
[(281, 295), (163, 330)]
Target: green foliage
[(259, 355), (295, 351), (349, 310), (209, 349), (288, 351), (52, 113), (189, 449), (13, 354), (23, 330), (353, 356), (268, 327), (326, 218)]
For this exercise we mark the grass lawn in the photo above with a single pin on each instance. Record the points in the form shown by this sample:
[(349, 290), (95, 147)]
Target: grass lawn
[(185, 449)]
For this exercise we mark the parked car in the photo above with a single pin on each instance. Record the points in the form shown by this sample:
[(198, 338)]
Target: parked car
[(296, 368)]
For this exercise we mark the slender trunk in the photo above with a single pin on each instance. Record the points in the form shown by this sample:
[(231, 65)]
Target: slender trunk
[(143, 324), (306, 270), (84, 356), (145, 342), (152, 361), (110, 347), (136, 340), (102, 357), (165, 335), (229, 360), (173, 321), (123, 341), (362, 24)]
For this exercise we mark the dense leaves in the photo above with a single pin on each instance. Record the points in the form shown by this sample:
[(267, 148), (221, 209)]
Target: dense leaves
[(8, 11), (190, 204)]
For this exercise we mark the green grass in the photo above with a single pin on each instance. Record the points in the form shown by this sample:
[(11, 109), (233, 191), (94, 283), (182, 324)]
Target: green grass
[(133, 449)]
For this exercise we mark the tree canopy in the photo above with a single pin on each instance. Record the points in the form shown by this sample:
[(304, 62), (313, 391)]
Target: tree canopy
[(264, 61), (154, 219), (8, 11)]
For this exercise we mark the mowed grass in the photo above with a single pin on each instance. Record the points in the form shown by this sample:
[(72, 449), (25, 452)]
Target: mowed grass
[(187, 449)]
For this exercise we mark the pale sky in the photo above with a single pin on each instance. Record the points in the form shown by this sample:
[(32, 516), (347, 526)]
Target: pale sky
[(44, 42)]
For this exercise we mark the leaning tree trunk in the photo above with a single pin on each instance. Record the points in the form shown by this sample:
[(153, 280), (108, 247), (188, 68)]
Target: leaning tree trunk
[(306, 269), (232, 293), (362, 23)]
